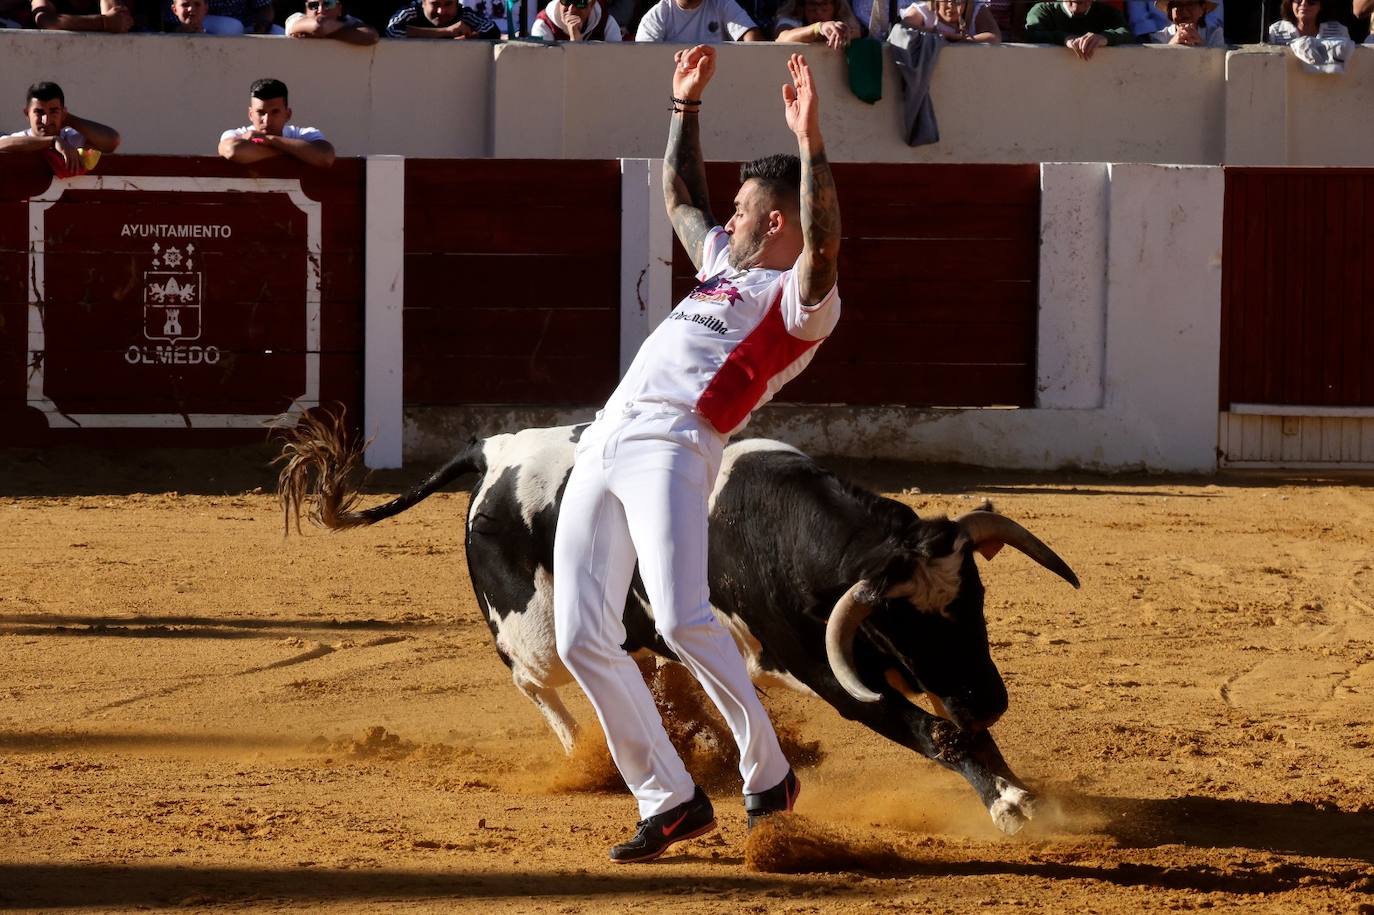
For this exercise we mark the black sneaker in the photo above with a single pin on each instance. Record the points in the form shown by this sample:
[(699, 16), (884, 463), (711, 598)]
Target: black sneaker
[(654, 835), (778, 799)]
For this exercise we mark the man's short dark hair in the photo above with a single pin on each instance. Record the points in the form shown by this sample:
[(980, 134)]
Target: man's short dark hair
[(45, 92), (269, 89), (779, 175)]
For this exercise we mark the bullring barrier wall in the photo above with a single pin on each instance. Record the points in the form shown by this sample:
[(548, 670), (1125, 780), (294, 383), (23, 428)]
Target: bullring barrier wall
[(1098, 310), (174, 95)]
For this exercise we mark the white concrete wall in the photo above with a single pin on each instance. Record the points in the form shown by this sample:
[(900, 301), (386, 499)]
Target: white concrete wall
[(1014, 103)]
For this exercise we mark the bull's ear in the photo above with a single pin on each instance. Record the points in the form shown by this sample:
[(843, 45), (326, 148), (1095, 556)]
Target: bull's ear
[(989, 549)]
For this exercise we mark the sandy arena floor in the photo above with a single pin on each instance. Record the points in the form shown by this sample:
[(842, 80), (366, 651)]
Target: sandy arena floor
[(197, 713)]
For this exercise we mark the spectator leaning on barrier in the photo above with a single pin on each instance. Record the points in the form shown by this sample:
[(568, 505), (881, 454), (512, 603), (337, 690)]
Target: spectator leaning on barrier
[(575, 20), (326, 19), (72, 144), (829, 22), (269, 134), (1305, 19), (1082, 26), (697, 22), (946, 18), (440, 19), (1187, 25), (82, 15), (1146, 17)]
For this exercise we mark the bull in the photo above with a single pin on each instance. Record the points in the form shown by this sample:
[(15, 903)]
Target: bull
[(826, 587)]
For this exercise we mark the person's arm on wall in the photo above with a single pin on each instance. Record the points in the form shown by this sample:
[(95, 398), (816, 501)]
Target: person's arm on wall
[(684, 168), (114, 16), (819, 264), (28, 144), (318, 153), (245, 150), (98, 136)]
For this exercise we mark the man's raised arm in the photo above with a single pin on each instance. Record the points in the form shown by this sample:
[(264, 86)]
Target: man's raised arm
[(684, 171), (818, 265)]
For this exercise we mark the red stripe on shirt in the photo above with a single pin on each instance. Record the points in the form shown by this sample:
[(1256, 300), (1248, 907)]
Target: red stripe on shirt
[(743, 379)]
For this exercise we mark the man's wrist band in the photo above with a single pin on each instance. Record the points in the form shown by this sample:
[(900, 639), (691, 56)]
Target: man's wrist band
[(816, 28), (684, 105), (684, 101)]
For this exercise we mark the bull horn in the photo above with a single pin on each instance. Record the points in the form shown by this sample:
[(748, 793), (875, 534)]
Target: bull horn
[(990, 527), (844, 623)]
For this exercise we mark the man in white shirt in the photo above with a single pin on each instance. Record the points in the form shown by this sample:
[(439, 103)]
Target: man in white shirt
[(638, 493), (326, 19), (269, 134), (698, 22), (61, 135)]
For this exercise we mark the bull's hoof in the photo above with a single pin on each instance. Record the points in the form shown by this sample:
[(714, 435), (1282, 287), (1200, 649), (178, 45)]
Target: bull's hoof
[(1013, 809)]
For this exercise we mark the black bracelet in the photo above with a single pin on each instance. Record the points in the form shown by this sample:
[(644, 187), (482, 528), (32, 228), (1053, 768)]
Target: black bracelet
[(676, 110), (684, 101)]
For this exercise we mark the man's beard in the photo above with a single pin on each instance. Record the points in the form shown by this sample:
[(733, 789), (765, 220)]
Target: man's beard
[(745, 251)]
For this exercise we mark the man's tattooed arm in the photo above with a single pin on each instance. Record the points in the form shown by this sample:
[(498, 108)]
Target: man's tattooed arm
[(684, 185), (820, 219)]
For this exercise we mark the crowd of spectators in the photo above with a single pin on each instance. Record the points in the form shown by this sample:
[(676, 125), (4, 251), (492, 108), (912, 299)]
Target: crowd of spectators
[(1081, 25)]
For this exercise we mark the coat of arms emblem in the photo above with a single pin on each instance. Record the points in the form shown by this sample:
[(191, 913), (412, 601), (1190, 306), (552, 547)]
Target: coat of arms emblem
[(172, 296)]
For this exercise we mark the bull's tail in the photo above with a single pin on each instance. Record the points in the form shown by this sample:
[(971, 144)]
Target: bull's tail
[(320, 467)]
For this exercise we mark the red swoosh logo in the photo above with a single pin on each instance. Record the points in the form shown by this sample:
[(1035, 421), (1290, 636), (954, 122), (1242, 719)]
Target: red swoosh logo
[(669, 830)]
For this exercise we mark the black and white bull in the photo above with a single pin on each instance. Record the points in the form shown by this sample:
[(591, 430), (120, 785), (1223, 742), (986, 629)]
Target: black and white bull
[(826, 587)]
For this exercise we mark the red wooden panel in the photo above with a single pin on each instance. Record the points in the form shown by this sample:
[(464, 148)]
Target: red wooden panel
[(857, 343), (503, 186), (230, 337), (577, 230), (528, 332), (1296, 311), (511, 281), (967, 384), (549, 380)]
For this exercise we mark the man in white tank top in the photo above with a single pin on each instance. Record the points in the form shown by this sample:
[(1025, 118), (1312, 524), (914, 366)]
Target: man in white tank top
[(765, 299)]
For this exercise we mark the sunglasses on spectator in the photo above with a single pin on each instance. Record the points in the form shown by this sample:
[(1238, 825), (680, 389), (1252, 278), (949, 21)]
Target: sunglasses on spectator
[(578, 4)]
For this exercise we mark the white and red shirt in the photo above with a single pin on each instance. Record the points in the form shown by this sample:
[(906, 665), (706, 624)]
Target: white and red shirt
[(730, 345)]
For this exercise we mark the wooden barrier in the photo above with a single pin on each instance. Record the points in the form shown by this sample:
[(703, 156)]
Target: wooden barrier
[(512, 281), (190, 299), (938, 275), (182, 300), (1296, 324)]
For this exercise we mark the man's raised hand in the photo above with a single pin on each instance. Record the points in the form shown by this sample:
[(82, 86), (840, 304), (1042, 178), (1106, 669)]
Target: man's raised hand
[(799, 99), (692, 70)]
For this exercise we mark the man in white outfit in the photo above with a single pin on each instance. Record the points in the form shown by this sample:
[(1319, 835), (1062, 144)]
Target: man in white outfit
[(766, 298)]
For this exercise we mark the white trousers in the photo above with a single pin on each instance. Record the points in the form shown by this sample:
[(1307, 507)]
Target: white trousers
[(640, 487)]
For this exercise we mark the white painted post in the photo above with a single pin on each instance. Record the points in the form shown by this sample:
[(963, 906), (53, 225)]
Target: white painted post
[(646, 255), (1163, 357), (383, 291), (1073, 285)]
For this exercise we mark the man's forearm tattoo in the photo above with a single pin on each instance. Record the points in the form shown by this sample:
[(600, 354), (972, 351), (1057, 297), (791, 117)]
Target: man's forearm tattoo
[(684, 185), (820, 218)]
